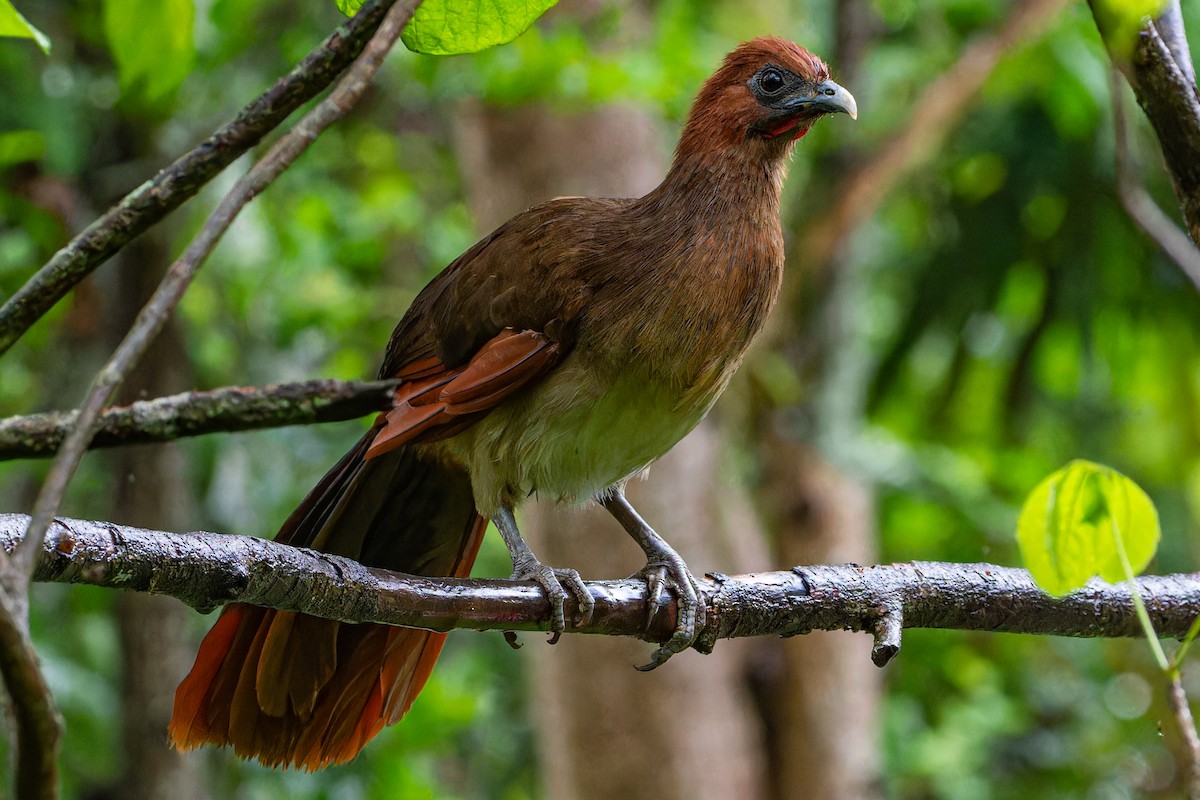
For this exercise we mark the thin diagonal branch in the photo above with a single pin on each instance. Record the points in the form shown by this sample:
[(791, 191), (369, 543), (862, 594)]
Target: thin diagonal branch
[(1160, 71), (1138, 203), (37, 726), (179, 276), (37, 744), (1178, 701), (231, 408), (176, 183)]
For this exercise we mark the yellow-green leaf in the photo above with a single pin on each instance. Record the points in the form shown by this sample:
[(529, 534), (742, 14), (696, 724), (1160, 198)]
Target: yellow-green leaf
[(12, 24), (1120, 21), (446, 27), (1077, 521)]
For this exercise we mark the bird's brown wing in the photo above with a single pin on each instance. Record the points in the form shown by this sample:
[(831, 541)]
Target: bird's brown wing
[(493, 322), (530, 274), (436, 401)]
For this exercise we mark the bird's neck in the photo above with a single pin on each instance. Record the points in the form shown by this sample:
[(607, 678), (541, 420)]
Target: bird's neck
[(714, 225), (719, 188)]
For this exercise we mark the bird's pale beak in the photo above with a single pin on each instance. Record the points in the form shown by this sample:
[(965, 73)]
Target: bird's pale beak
[(832, 97)]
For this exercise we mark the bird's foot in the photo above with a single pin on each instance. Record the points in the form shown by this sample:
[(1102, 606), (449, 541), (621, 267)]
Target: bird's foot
[(556, 583), (527, 567), (666, 570)]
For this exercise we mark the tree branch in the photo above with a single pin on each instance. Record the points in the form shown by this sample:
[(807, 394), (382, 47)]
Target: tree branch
[(1138, 203), (166, 191), (1160, 71), (207, 569), (231, 408), (37, 725)]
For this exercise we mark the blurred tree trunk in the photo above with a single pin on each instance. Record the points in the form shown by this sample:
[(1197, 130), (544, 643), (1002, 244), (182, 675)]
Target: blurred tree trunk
[(826, 697), (150, 489), (690, 728)]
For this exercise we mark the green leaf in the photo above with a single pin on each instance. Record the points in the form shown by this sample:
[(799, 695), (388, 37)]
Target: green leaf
[(1120, 20), (447, 27), (152, 43), (348, 7), (1079, 521), (14, 25)]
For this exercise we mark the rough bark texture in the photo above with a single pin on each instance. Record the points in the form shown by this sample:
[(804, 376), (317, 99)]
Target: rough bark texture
[(206, 570), (232, 408), (1163, 78), (594, 711)]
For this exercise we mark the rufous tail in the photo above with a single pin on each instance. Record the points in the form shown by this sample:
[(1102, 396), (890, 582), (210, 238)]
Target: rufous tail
[(291, 689)]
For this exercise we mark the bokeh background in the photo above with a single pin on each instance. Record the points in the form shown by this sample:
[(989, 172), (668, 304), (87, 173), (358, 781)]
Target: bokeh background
[(967, 308)]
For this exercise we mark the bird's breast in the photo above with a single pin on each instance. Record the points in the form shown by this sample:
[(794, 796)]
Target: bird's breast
[(577, 432), (618, 401)]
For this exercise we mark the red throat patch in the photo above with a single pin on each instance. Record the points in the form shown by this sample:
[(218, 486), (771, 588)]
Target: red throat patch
[(788, 126)]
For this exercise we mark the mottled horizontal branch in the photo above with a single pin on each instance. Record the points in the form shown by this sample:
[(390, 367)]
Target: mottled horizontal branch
[(232, 408), (207, 569)]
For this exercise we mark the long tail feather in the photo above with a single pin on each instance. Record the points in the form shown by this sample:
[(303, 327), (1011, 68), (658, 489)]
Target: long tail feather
[(290, 689)]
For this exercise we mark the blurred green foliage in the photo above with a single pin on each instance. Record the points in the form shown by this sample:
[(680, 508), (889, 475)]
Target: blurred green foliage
[(153, 44), (1008, 318)]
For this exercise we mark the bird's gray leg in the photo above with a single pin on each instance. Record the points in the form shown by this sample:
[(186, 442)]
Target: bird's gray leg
[(664, 568), (526, 567)]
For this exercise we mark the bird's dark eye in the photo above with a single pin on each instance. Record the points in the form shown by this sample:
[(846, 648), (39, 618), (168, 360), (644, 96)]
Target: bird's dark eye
[(770, 80)]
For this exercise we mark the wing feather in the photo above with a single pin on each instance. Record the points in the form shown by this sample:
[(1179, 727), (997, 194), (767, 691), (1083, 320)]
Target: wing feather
[(443, 403)]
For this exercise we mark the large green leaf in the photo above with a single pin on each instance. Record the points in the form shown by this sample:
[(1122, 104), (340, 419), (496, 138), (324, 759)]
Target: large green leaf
[(152, 43), (1071, 523), (14, 25), (450, 27), (446, 27)]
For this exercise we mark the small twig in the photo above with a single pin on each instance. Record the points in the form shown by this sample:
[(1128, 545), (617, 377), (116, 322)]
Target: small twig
[(888, 628), (1177, 699), (176, 183), (1138, 203), (232, 408)]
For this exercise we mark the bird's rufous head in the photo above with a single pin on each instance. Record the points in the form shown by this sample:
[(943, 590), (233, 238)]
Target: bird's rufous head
[(768, 91)]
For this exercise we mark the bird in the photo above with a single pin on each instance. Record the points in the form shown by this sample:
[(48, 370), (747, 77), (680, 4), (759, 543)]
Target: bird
[(559, 356)]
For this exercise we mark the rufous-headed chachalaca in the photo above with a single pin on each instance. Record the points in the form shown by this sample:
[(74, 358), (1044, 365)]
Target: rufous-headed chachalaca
[(560, 355)]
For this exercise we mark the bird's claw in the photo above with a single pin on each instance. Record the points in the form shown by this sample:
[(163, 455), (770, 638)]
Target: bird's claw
[(552, 582), (668, 573)]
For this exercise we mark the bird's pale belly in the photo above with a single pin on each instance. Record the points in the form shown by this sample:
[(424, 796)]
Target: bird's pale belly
[(573, 435)]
